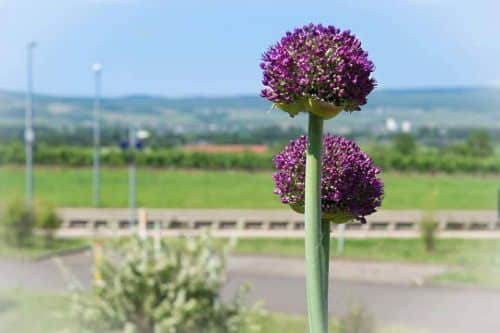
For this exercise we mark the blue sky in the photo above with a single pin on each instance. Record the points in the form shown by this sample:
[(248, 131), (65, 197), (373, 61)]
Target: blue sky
[(210, 47)]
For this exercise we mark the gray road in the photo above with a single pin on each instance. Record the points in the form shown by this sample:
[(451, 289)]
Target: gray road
[(436, 309)]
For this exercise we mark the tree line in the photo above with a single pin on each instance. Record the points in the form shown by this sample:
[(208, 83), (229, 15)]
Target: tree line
[(403, 155)]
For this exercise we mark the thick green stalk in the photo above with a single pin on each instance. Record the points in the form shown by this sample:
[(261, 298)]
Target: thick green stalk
[(318, 319), (325, 240)]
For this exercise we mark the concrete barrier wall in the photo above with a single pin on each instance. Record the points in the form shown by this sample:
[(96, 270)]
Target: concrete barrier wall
[(270, 222)]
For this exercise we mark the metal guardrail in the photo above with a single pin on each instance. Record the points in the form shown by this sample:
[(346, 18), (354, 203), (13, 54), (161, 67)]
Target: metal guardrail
[(270, 222)]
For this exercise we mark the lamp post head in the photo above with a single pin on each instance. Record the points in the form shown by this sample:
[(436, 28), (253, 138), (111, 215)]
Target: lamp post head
[(31, 45), (97, 67)]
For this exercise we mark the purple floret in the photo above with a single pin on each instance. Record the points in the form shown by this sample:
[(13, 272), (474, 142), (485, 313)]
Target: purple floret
[(321, 62), (349, 182)]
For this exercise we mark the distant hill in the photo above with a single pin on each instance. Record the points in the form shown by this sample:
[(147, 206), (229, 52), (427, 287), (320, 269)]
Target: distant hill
[(443, 108)]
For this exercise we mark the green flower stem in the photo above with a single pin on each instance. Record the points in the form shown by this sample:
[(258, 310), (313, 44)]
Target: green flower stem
[(325, 240), (318, 318)]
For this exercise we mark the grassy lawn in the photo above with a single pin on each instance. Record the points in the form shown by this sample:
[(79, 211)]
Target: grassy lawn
[(39, 248), (448, 251), (30, 312), (35, 312), (471, 261), (236, 189)]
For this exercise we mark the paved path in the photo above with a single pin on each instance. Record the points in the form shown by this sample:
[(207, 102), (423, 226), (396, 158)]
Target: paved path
[(431, 309), (280, 283)]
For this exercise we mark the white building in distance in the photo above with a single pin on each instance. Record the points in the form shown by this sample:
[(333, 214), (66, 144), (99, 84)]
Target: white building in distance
[(391, 125), (406, 126)]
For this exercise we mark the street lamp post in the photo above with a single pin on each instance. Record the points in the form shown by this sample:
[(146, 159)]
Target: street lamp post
[(29, 135), (96, 68), (132, 171)]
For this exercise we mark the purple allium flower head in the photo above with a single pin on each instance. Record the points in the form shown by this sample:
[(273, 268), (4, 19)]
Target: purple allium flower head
[(349, 183), (320, 63)]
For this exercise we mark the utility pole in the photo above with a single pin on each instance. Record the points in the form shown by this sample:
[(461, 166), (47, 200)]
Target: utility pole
[(132, 171), (96, 68), (134, 142), (29, 134)]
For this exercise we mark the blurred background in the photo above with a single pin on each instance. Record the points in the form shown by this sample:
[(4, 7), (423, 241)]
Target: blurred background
[(128, 117)]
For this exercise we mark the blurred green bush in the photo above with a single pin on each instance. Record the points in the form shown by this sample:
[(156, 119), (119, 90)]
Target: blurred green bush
[(18, 223), (172, 286), (47, 220), (428, 232), (20, 220)]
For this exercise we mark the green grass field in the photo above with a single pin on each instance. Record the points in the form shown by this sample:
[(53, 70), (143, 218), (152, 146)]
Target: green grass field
[(448, 251), (236, 189)]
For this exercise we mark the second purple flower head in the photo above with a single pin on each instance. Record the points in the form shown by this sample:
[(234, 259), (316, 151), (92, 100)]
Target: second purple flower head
[(350, 188)]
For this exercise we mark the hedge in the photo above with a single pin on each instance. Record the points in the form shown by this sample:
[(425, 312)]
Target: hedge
[(387, 159)]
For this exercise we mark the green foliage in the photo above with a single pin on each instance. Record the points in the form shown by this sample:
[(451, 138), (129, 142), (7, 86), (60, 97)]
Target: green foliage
[(47, 220), (20, 220), (356, 320), (428, 230), (161, 158), (12, 153), (173, 289), (479, 144), (18, 224), (405, 144), (475, 156), (434, 161)]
